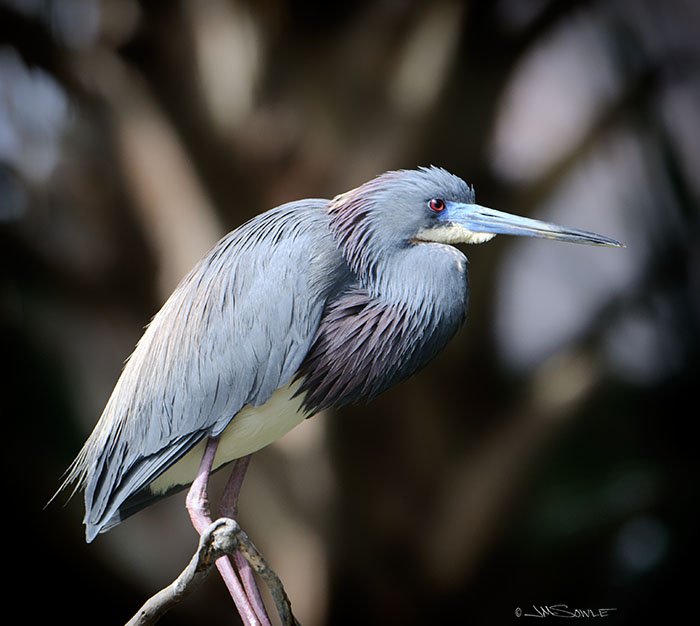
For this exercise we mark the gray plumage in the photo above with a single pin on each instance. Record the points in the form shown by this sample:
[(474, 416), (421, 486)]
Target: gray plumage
[(404, 302), (346, 297)]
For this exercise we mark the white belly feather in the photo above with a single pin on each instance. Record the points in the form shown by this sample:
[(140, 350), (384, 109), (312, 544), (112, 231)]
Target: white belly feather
[(251, 429)]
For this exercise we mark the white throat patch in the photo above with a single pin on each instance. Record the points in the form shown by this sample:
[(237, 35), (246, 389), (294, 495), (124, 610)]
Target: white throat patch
[(453, 233)]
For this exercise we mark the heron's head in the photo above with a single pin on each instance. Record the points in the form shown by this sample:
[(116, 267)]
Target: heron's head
[(409, 207)]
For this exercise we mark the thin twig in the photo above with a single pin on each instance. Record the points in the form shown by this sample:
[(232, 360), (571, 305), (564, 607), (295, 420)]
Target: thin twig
[(223, 537)]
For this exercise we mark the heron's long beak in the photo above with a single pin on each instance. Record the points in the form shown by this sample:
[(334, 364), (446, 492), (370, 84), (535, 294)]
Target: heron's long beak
[(478, 219)]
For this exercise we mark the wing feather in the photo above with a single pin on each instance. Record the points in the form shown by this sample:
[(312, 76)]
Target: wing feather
[(235, 330)]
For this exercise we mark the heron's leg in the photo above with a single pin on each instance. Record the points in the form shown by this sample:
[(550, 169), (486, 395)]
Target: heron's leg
[(228, 507), (197, 503)]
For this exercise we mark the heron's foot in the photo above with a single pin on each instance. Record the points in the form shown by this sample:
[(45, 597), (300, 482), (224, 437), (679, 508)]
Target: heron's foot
[(228, 508), (243, 550), (197, 503), (239, 575), (247, 607), (219, 540)]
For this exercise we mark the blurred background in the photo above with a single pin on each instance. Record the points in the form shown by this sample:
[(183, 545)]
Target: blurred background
[(548, 456)]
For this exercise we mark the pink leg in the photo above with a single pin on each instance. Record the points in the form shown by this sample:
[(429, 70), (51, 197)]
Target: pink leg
[(197, 503), (228, 507)]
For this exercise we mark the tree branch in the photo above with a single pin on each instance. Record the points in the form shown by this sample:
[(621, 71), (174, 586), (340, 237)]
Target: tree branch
[(223, 537)]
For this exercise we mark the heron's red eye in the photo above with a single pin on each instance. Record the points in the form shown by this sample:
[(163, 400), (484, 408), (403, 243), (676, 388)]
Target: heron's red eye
[(437, 205)]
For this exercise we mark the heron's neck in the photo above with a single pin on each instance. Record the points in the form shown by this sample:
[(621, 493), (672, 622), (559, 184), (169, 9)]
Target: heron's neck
[(354, 227), (374, 335), (428, 276), (418, 274)]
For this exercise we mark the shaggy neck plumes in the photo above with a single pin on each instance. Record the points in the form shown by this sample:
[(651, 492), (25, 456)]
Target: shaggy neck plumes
[(354, 227)]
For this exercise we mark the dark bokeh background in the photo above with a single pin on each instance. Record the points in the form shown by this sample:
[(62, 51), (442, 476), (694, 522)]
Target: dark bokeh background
[(548, 456)]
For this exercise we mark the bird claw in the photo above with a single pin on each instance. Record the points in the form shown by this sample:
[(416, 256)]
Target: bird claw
[(228, 538)]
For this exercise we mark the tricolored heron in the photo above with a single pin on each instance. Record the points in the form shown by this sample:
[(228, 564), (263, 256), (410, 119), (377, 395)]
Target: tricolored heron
[(314, 304)]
